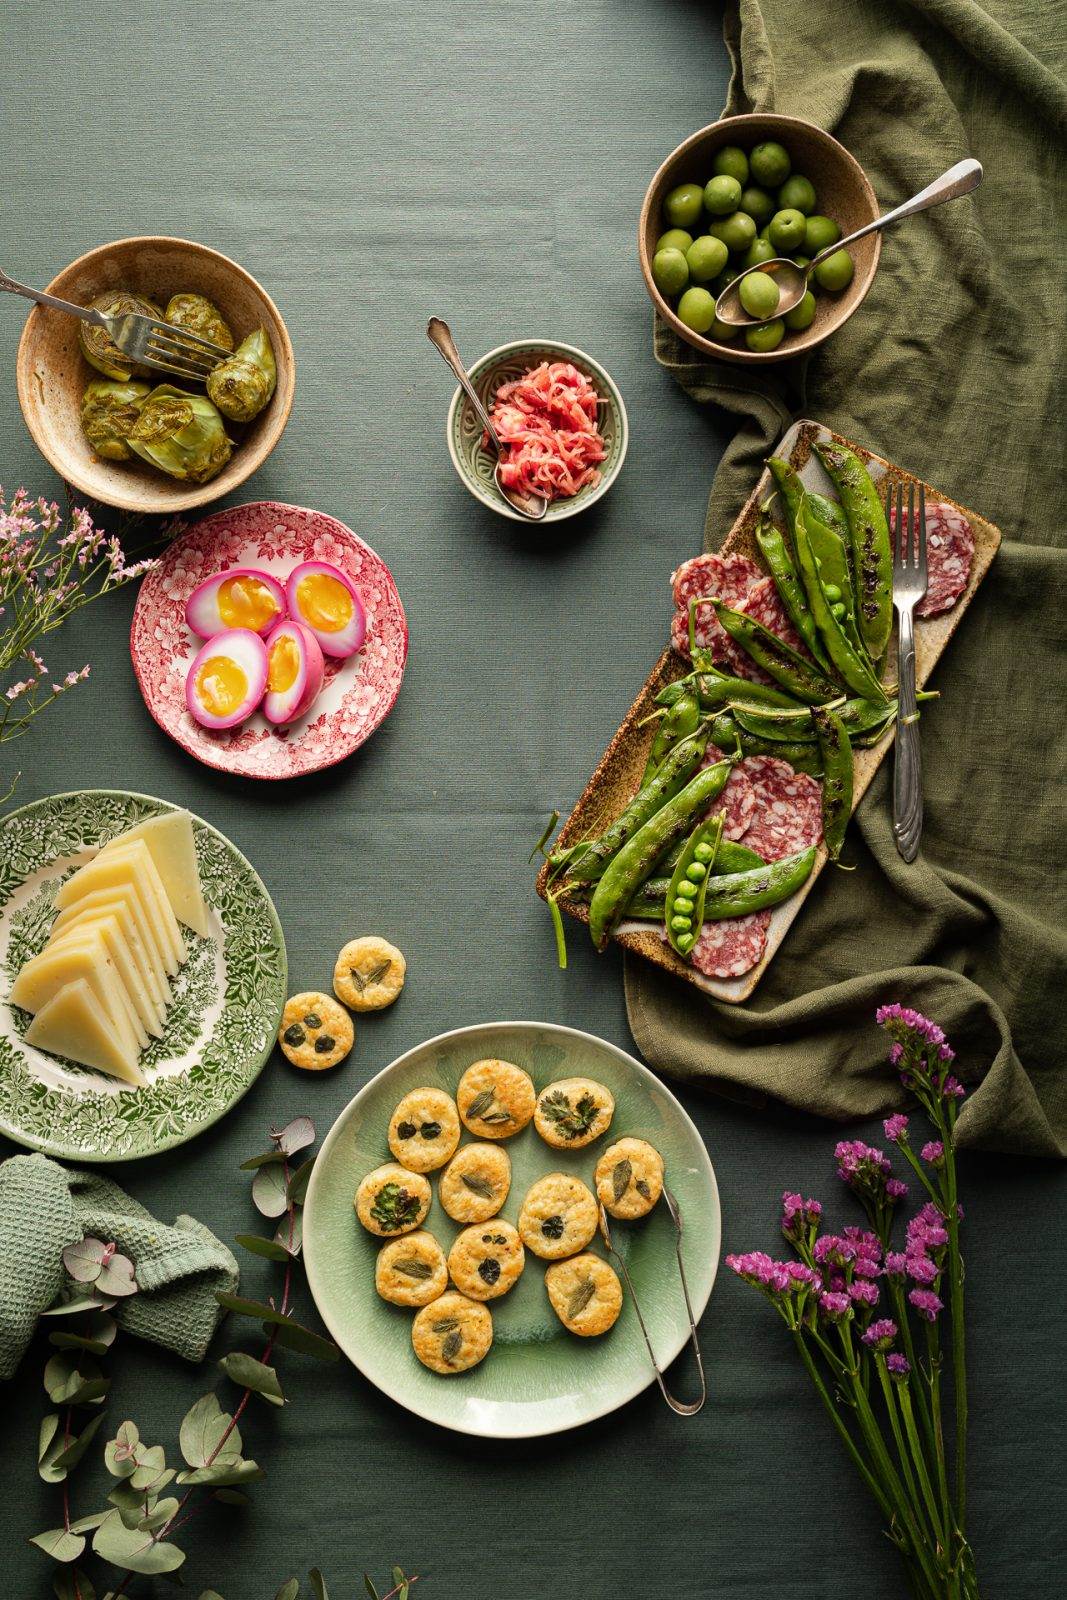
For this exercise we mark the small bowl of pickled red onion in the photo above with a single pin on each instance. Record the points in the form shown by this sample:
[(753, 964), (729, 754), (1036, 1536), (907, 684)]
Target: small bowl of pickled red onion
[(560, 418)]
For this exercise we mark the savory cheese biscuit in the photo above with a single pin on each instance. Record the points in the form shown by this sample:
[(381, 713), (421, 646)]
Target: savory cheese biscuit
[(391, 1200), (487, 1260), (585, 1293), (629, 1178), (316, 1032), (411, 1271), (475, 1183), (495, 1098), (453, 1334), (573, 1112), (424, 1130), (369, 974), (559, 1216)]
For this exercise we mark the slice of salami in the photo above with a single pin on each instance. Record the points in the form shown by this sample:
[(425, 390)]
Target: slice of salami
[(738, 798), (788, 815), (729, 578), (764, 603), (949, 553), (731, 947), (736, 661)]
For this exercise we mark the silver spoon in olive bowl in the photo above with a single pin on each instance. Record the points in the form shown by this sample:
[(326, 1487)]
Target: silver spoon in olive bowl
[(531, 506), (793, 280)]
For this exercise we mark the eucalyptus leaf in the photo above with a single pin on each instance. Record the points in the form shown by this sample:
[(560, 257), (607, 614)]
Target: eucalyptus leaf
[(159, 1515), (49, 1446), (71, 1306), (257, 1245), (130, 1503), (210, 1594), (150, 1468), (129, 1547), (318, 1585), (268, 1191), (289, 1591), (74, 1383), (84, 1261), (297, 1337), (120, 1452), (290, 1233), (248, 1373), (203, 1429), (231, 1497), (77, 1341), (248, 1308), (298, 1183), (296, 1135), (72, 1454), (62, 1546), (117, 1278), (84, 1524), (224, 1474), (371, 1590), (73, 1585), (267, 1159)]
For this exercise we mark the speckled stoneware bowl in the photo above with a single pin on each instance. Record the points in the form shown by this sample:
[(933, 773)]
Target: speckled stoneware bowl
[(844, 193), (52, 372), (537, 1378), (463, 431)]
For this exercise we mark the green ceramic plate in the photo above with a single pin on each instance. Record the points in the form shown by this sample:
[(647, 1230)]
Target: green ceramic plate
[(228, 997), (537, 1378)]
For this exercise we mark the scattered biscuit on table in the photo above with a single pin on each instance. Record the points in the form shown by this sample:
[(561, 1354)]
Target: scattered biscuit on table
[(452, 1334), (392, 1200), (475, 1184), (315, 1031), (369, 973), (496, 1099), (559, 1216), (586, 1294), (424, 1130), (629, 1178)]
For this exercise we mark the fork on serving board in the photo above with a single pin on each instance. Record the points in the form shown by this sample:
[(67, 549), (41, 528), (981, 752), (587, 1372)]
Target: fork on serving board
[(909, 587)]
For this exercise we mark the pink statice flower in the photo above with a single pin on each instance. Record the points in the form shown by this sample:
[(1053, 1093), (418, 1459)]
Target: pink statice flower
[(896, 1264), (953, 1089), (926, 1303), (862, 1292), (833, 1250), (896, 1189), (922, 1269), (759, 1269), (896, 1127), (834, 1306), (799, 1217), (933, 1153), (880, 1335), (898, 1366)]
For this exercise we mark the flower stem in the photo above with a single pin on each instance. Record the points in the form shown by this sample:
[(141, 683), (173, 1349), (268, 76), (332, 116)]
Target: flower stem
[(838, 1421), (955, 1291)]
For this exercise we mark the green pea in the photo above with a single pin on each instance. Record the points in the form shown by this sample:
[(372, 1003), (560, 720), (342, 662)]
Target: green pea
[(765, 336), (696, 872), (703, 852), (787, 230), (769, 164), (683, 205), (736, 232), (723, 332), (681, 924), (838, 610), (669, 271), (759, 251), (835, 272), (797, 194), (722, 195), (696, 309), (674, 239), (731, 162), (706, 258), (683, 906), (758, 204), (832, 592), (685, 942), (759, 294), (686, 891), (802, 315), (819, 234)]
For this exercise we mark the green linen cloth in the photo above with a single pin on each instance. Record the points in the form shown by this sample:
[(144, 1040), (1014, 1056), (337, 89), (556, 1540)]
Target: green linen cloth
[(954, 368), (44, 1207)]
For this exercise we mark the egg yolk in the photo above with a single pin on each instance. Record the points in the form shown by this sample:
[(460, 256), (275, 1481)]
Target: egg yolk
[(246, 603), (284, 664), (324, 602), (221, 685)]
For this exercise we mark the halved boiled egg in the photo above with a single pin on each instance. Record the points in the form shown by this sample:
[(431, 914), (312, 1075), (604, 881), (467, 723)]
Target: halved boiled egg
[(326, 600), (295, 671), (240, 597), (226, 680)]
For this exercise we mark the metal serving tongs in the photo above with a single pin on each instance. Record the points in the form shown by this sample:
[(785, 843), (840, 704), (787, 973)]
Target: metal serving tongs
[(677, 1406)]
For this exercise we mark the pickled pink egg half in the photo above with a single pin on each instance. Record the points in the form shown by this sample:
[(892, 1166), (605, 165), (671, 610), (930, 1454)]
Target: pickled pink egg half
[(227, 679), (240, 597), (295, 670), (326, 600)]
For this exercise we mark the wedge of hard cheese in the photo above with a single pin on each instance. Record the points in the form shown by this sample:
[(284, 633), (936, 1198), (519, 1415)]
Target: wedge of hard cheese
[(74, 1024), (170, 842)]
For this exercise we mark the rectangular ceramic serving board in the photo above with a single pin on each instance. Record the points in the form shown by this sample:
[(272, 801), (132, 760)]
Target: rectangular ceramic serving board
[(618, 774)]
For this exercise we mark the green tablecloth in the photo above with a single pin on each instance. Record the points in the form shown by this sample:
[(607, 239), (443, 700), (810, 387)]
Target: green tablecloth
[(393, 163)]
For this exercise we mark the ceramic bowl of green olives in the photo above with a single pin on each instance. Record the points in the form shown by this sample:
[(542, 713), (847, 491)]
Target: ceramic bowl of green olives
[(740, 193), (132, 439)]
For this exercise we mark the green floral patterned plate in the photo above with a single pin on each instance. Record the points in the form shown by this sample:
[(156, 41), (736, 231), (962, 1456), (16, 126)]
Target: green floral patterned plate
[(228, 997), (537, 1378)]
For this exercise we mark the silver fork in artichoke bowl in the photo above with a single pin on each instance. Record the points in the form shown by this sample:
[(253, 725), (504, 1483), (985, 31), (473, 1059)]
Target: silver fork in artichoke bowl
[(909, 587), (147, 341)]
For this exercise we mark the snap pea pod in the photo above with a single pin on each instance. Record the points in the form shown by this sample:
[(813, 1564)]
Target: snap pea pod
[(831, 549), (801, 678), (850, 667), (738, 893), (682, 719), (837, 777), (871, 550), (671, 693), (858, 716), (730, 857), (646, 905), (633, 863), (779, 561), (716, 688), (803, 755), (790, 488), (683, 905), (673, 773), (830, 512)]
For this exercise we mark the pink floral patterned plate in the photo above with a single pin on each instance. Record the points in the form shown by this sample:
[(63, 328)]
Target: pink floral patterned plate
[(358, 693)]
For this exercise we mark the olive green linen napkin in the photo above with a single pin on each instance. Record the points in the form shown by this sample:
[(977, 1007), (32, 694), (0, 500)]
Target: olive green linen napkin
[(954, 368), (44, 1207)]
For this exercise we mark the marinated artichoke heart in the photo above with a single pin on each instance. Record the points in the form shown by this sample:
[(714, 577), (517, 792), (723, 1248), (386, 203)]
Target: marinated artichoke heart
[(109, 411), (196, 312), (95, 342), (241, 386), (181, 434)]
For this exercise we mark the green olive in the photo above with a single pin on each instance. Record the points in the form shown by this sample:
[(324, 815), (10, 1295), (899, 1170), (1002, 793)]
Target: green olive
[(696, 309), (802, 261), (835, 272), (706, 258), (703, 852), (769, 164), (736, 232), (759, 294), (681, 924), (723, 332), (722, 195), (758, 204), (682, 206), (759, 251), (802, 315), (765, 336), (674, 239), (696, 872), (797, 194), (787, 230), (731, 162), (669, 271), (831, 591), (819, 234)]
